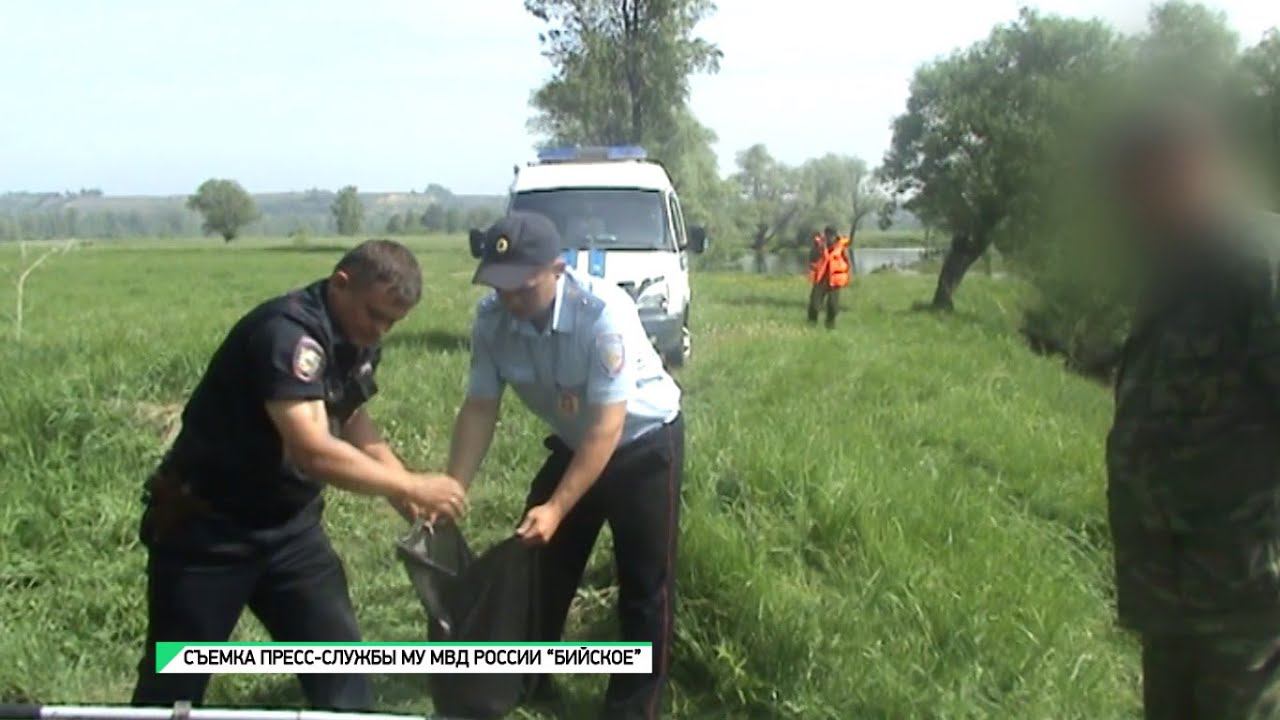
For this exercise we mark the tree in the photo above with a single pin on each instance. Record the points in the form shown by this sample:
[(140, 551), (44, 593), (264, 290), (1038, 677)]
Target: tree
[(434, 217), (395, 226), (620, 67), (348, 212), (439, 193), (225, 207), (837, 189), (973, 153), (454, 220), (707, 199), (767, 190), (620, 75), (1187, 47), (481, 217), (1261, 65)]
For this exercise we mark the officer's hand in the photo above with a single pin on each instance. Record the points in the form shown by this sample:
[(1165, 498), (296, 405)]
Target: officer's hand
[(407, 509), (540, 524), (433, 494)]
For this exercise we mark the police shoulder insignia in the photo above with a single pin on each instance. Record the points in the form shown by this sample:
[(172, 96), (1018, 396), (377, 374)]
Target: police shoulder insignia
[(308, 359), (612, 354)]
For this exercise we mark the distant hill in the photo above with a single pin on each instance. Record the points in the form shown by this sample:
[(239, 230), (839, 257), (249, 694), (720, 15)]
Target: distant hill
[(90, 213)]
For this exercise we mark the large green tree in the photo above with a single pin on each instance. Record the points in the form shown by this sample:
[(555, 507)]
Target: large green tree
[(973, 151), (621, 68), (225, 207), (348, 211), (1187, 48), (620, 75), (768, 195), (839, 190), (1261, 66)]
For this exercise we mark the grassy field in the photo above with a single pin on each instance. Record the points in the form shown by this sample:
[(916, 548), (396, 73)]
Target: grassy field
[(902, 518)]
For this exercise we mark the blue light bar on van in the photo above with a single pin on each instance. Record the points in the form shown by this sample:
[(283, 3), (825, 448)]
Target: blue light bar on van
[(579, 154)]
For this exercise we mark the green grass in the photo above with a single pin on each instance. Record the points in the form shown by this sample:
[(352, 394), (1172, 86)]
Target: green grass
[(902, 518)]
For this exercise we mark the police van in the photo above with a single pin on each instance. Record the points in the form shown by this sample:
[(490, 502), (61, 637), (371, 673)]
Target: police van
[(619, 219)]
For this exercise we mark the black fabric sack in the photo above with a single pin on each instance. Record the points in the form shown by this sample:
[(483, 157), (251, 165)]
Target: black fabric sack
[(490, 598)]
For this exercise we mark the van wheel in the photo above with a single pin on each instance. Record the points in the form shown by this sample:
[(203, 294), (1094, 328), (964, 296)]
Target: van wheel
[(678, 358)]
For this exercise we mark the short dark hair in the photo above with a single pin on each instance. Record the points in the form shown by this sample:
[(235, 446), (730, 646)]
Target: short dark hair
[(384, 262), (830, 230)]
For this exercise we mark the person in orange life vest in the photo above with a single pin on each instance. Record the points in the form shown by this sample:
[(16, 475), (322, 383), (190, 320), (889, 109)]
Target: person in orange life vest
[(830, 267)]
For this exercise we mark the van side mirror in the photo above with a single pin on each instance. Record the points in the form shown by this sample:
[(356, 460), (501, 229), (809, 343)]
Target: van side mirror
[(477, 243), (698, 239)]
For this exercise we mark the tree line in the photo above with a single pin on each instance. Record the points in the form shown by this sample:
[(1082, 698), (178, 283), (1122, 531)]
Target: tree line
[(993, 149), (88, 214)]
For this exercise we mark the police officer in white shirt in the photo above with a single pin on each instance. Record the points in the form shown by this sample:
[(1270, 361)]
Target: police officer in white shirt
[(574, 351)]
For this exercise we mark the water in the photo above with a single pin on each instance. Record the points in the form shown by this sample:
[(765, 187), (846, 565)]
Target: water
[(868, 260), (865, 260)]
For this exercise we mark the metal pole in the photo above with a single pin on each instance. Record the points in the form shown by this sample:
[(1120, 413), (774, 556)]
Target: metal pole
[(180, 711)]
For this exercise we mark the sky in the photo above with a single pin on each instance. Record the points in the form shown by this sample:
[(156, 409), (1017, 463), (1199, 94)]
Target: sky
[(154, 96)]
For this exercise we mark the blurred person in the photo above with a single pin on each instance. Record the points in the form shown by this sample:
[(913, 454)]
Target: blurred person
[(233, 513), (1193, 455), (573, 349), (830, 265)]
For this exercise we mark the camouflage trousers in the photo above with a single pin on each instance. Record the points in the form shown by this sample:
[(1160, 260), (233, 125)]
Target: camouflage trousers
[(1218, 676)]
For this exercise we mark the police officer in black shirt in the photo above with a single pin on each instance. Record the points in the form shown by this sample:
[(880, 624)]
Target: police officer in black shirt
[(232, 516)]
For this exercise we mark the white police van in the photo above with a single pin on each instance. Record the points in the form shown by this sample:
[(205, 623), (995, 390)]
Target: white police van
[(619, 219)]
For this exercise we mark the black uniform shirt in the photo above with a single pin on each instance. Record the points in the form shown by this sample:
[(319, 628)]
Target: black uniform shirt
[(287, 348)]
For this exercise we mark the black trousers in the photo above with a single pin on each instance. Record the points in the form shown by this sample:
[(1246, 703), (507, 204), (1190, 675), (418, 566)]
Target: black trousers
[(199, 583), (821, 295), (639, 495)]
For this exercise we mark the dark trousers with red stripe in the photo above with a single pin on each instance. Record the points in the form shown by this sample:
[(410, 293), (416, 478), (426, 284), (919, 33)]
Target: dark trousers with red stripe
[(638, 494)]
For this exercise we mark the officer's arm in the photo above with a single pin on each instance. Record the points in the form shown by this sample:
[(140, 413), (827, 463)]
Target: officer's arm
[(592, 456), (478, 417), (361, 432), (289, 367), (304, 431), (472, 435), (610, 383)]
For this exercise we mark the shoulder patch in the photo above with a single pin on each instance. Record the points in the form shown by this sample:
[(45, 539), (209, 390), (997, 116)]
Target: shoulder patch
[(612, 353), (488, 304), (308, 359)]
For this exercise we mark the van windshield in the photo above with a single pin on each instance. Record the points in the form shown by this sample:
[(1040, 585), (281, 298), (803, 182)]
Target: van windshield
[(609, 219)]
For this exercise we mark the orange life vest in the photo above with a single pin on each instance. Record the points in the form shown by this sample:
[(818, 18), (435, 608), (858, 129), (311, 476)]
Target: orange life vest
[(818, 267), (837, 266), (831, 265)]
